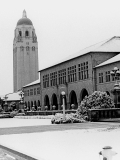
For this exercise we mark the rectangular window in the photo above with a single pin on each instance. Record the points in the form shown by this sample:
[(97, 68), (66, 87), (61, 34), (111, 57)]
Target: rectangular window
[(100, 77), (28, 93), (62, 76), (72, 76), (53, 79), (107, 76), (38, 90), (34, 91), (83, 71), (31, 92), (46, 81)]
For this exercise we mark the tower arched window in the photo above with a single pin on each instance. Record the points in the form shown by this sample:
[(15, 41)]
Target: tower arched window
[(33, 48), (21, 48), (27, 48), (26, 33), (20, 33)]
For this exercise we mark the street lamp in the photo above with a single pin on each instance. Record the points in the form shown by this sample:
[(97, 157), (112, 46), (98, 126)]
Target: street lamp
[(63, 98), (6, 99), (22, 95), (115, 73)]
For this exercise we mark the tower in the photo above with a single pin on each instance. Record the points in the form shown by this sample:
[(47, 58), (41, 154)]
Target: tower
[(25, 53)]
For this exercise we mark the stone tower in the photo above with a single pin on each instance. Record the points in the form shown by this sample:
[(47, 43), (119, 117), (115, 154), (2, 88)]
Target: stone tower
[(25, 54)]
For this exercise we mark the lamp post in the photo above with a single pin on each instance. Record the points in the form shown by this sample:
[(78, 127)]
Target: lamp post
[(21, 100), (6, 105), (63, 98), (115, 73)]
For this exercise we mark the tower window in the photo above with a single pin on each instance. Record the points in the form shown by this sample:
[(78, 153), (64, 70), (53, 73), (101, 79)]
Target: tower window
[(27, 48), (33, 48), (20, 33), (26, 33), (21, 48)]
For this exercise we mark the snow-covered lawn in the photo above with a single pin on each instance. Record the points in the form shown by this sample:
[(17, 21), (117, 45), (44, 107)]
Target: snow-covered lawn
[(65, 145)]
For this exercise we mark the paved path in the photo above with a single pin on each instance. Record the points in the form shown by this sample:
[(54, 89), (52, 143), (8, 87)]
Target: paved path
[(59, 127)]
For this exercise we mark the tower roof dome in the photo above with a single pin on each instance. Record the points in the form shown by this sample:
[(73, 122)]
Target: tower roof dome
[(24, 20)]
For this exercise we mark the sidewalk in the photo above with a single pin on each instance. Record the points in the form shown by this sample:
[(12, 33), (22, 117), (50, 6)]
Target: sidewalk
[(62, 145)]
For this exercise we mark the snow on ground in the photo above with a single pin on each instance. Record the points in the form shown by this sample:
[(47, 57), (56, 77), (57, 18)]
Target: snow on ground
[(65, 145), (16, 122)]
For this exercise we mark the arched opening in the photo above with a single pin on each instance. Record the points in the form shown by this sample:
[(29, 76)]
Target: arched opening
[(84, 93), (108, 93), (31, 104), (26, 33), (35, 105), (54, 102), (47, 102), (73, 100), (61, 102), (38, 104), (28, 105), (20, 33)]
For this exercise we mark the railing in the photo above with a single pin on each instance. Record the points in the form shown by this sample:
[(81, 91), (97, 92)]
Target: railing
[(99, 114)]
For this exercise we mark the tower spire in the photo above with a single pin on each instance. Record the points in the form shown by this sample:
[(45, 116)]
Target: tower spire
[(24, 14)]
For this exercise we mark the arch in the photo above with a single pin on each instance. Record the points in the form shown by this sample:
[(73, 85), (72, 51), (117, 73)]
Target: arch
[(47, 102), (35, 105), (28, 105), (54, 101), (26, 33), (38, 103), (20, 33), (108, 93), (27, 48), (31, 104), (83, 93), (25, 104), (73, 100), (33, 48), (61, 101)]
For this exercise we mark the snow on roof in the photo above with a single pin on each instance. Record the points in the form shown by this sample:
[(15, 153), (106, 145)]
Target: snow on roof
[(13, 96), (109, 45), (109, 61), (32, 83)]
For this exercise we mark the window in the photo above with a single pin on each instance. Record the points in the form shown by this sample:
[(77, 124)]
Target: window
[(46, 81), (20, 33), (31, 92), (100, 77), (72, 76), (33, 48), (28, 93), (62, 76), (21, 48), (107, 76), (27, 48), (53, 78), (26, 33), (83, 71), (34, 91), (38, 90)]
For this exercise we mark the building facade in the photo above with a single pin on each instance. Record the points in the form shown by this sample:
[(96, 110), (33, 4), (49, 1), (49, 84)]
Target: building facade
[(32, 95), (77, 75), (25, 53)]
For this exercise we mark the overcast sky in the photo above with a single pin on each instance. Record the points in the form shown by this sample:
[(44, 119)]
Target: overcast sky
[(63, 27)]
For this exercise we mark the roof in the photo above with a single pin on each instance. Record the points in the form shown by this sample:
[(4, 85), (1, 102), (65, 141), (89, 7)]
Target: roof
[(109, 45), (109, 61), (13, 96), (32, 83), (24, 20)]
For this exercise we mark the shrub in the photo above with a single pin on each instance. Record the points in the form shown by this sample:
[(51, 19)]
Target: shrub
[(13, 114), (97, 100)]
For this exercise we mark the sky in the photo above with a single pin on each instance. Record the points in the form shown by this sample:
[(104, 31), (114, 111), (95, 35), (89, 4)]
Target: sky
[(63, 27)]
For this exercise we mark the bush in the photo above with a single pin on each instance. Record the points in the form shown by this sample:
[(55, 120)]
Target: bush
[(13, 114), (69, 118), (97, 100)]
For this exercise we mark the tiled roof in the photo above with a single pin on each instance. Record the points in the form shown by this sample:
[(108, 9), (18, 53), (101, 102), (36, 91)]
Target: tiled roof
[(13, 96), (32, 83), (109, 61), (109, 45)]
